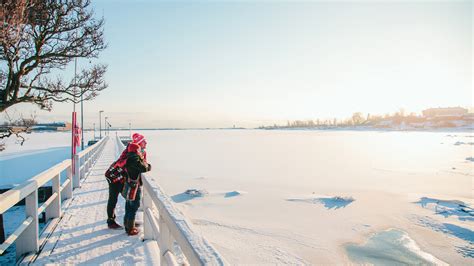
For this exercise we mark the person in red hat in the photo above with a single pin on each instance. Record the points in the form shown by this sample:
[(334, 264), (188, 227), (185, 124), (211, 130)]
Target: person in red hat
[(116, 185), (135, 165)]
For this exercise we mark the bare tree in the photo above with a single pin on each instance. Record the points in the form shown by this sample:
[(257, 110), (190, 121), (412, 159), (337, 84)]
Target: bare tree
[(15, 127), (13, 14), (39, 37), (357, 118)]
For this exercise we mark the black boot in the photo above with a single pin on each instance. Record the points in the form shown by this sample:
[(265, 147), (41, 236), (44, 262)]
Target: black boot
[(126, 224), (112, 224), (131, 229)]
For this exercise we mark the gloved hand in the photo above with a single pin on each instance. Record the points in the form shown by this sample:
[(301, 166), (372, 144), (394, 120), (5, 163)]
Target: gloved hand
[(149, 167)]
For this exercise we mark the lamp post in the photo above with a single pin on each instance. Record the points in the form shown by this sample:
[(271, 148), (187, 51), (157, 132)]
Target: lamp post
[(106, 131), (82, 119), (100, 123)]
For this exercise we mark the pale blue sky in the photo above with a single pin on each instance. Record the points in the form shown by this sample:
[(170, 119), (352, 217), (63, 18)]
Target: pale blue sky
[(220, 63)]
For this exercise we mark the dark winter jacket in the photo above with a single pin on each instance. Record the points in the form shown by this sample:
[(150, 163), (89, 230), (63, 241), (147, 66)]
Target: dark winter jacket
[(135, 165)]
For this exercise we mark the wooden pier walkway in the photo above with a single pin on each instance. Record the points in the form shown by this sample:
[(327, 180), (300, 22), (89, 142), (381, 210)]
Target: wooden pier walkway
[(76, 231), (82, 236)]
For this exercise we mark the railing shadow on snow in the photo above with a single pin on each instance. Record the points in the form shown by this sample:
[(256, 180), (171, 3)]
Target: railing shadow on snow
[(29, 241)]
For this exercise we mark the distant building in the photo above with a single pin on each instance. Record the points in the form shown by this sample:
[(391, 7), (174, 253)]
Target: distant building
[(468, 117), (445, 112), (67, 126), (52, 126)]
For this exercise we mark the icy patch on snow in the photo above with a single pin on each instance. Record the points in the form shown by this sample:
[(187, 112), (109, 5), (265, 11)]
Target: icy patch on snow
[(232, 194), (335, 202), (228, 194), (190, 194), (391, 247), (448, 208)]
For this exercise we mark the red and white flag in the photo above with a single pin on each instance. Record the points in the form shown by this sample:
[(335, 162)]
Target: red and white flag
[(76, 140), (77, 135)]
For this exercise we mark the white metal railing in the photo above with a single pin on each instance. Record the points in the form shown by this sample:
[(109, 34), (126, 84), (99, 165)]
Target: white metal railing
[(27, 235), (84, 160), (119, 144), (167, 225)]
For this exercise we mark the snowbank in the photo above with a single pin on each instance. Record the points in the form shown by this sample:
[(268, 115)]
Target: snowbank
[(457, 143), (335, 202), (448, 208), (192, 193), (391, 247)]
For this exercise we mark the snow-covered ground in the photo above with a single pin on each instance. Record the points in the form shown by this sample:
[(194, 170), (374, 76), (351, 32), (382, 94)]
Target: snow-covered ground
[(19, 163), (322, 197), (306, 196), (40, 151), (82, 236)]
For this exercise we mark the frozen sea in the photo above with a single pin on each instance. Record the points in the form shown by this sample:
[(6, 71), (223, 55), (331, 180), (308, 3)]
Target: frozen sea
[(303, 196), (307, 196)]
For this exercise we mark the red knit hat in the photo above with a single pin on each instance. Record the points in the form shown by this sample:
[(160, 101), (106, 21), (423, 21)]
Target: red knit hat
[(137, 138)]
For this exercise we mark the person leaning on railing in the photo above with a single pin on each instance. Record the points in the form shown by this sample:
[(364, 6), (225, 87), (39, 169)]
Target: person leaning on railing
[(115, 176), (136, 165)]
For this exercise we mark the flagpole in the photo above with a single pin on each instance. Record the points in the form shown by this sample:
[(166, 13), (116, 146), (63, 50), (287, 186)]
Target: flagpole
[(73, 127), (82, 118)]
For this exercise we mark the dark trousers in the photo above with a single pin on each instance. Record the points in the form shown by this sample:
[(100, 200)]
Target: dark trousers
[(114, 191), (131, 206)]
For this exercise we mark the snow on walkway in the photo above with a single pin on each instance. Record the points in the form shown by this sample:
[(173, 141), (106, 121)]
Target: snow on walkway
[(82, 236)]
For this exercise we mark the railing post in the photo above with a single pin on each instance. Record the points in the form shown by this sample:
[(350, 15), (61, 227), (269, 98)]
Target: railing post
[(166, 242), (77, 174), (28, 241), (83, 165), (86, 163), (54, 209), (68, 189)]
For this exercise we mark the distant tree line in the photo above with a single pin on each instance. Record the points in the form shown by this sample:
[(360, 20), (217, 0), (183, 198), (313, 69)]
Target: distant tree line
[(357, 119)]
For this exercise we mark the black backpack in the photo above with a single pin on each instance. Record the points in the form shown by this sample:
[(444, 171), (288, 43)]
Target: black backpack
[(115, 174)]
